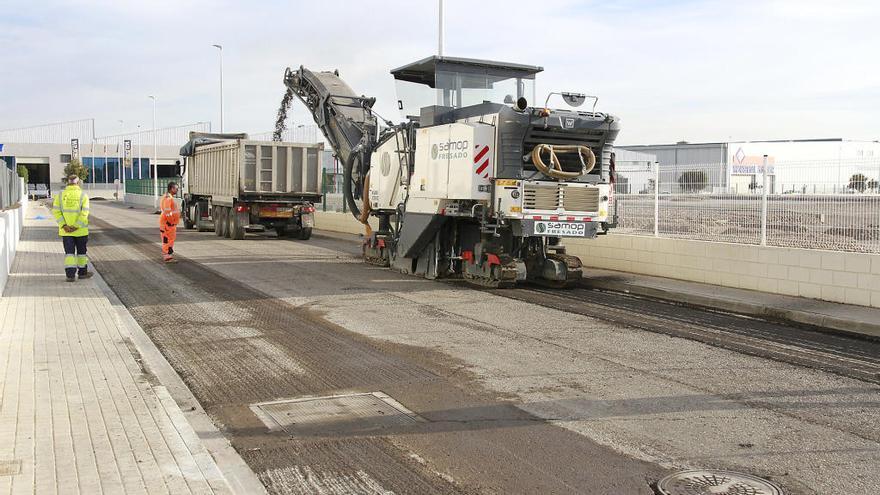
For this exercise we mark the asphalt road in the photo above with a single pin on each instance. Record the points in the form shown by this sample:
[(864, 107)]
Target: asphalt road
[(517, 396)]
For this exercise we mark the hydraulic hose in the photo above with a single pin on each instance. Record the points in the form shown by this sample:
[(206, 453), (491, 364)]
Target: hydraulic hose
[(554, 170), (347, 178), (364, 217)]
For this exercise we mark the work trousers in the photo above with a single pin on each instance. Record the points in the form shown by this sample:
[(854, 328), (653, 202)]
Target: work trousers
[(75, 257), (168, 235)]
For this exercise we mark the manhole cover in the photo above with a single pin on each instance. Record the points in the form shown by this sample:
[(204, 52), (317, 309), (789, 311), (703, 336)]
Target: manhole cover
[(703, 482), (10, 468), (337, 414)]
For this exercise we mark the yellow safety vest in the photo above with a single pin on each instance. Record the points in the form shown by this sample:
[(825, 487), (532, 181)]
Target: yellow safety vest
[(71, 207)]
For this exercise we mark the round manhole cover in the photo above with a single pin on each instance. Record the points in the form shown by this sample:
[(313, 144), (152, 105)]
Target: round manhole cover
[(706, 482)]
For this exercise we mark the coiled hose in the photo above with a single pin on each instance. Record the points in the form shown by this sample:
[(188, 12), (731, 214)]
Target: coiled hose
[(555, 169)]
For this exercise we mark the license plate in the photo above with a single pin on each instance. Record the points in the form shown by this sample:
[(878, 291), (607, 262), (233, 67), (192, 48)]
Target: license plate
[(560, 229)]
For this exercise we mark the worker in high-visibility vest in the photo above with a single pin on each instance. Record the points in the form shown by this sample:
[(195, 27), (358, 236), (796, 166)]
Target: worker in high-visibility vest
[(168, 218), (71, 212)]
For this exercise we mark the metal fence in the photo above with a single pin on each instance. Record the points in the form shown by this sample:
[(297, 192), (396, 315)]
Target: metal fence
[(10, 187), (57, 132), (299, 134), (165, 136), (831, 205), (146, 187)]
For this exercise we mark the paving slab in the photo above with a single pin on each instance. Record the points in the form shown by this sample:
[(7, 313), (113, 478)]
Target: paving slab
[(87, 403)]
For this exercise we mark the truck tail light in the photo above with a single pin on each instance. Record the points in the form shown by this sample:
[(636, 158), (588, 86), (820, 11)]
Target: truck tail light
[(241, 208), (308, 209)]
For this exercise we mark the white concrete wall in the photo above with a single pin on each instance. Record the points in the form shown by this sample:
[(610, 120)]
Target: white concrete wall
[(11, 224), (341, 222), (139, 200), (851, 278)]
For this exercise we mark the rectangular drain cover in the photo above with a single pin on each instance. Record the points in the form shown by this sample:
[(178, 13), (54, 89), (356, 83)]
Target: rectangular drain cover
[(337, 414), (10, 468)]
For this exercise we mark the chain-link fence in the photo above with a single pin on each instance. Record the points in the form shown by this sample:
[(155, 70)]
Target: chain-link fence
[(831, 205), (10, 187), (298, 134), (815, 205), (56, 132)]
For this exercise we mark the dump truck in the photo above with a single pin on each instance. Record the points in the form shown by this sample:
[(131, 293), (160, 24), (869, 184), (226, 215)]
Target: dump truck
[(234, 185), (480, 181)]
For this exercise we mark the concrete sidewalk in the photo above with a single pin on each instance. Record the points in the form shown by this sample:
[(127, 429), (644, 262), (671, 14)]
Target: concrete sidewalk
[(88, 403), (855, 320)]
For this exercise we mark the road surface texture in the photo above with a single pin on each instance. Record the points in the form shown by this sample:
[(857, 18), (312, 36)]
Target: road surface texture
[(516, 392)]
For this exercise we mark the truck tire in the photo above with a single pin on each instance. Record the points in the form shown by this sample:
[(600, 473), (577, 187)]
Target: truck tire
[(187, 216), (304, 234), (219, 224), (237, 221), (200, 224), (227, 222)]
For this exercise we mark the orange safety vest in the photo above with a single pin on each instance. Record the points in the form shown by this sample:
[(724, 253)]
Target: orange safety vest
[(170, 214)]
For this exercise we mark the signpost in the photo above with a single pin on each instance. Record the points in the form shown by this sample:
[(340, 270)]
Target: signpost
[(126, 159)]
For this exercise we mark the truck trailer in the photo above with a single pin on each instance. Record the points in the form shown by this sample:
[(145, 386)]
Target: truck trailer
[(233, 185)]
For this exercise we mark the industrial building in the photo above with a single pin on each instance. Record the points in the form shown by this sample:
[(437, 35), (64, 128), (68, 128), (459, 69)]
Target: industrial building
[(825, 165), (44, 150)]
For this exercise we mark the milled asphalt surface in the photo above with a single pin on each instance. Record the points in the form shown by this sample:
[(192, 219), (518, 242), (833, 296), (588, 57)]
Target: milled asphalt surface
[(519, 398)]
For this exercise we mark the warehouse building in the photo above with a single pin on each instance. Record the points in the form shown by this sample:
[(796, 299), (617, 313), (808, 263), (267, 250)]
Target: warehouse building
[(804, 165), (44, 150)]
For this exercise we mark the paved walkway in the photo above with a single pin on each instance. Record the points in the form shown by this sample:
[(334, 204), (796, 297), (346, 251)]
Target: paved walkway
[(80, 410)]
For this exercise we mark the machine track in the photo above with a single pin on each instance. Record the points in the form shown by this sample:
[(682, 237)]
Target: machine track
[(840, 354)]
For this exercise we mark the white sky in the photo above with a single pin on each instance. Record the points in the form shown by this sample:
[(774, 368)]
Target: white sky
[(670, 69)]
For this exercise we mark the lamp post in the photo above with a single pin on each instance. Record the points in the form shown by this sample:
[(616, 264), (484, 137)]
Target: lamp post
[(120, 154), (140, 156), (155, 159), (220, 47), (440, 31)]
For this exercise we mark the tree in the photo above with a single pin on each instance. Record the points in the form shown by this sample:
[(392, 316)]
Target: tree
[(23, 173), (873, 185), (75, 167), (692, 180), (858, 182)]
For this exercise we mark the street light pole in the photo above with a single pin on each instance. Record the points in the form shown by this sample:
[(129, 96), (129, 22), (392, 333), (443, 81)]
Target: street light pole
[(120, 155), (440, 31), (140, 156), (220, 47), (155, 159)]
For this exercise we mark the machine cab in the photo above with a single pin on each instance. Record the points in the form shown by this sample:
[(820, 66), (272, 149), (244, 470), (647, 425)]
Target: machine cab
[(439, 86)]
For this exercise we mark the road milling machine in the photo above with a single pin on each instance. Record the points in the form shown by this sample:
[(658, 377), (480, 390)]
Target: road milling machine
[(478, 182)]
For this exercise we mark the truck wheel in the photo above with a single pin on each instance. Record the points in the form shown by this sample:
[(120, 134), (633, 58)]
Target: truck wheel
[(200, 224), (238, 219), (187, 216), (218, 221), (227, 222), (304, 234)]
